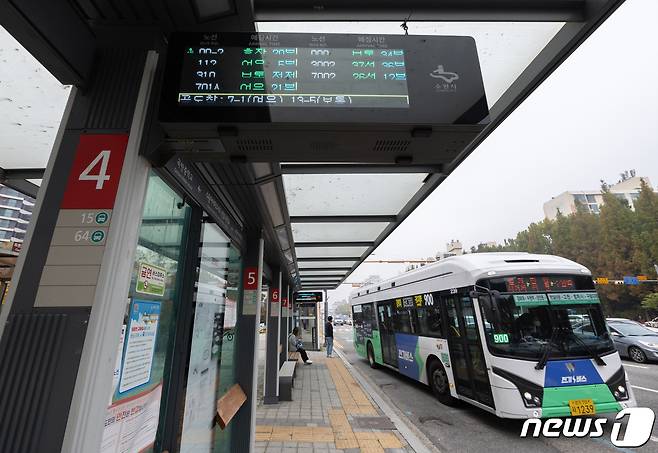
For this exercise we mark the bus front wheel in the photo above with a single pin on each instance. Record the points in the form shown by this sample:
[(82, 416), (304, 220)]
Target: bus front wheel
[(371, 356), (439, 383)]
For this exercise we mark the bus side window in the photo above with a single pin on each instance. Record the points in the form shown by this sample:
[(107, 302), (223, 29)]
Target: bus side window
[(369, 322), (452, 321), (429, 321), (357, 318), (402, 320)]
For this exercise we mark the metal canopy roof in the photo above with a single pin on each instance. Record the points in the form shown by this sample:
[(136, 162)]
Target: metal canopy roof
[(323, 220)]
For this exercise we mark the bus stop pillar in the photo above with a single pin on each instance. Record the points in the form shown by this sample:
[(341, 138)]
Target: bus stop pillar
[(244, 422), (283, 356), (60, 327), (271, 394)]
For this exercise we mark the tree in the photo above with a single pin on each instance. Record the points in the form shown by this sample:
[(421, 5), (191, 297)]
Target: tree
[(650, 302), (617, 242)]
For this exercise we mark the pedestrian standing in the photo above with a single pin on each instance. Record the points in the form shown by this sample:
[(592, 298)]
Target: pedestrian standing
[(329, 336)]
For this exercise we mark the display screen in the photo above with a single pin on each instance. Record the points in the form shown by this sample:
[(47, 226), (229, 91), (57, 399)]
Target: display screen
[(293, 77), (539, 283), (234, 77), (309, 297)]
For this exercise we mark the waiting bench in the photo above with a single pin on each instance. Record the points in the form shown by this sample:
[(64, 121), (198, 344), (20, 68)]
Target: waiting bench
[(287, 380)]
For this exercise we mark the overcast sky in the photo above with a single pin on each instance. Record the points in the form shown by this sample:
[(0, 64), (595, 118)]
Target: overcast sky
[(596, 116)]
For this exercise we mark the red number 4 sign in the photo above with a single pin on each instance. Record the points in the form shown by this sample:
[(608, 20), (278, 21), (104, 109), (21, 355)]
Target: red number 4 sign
[(94, 178)]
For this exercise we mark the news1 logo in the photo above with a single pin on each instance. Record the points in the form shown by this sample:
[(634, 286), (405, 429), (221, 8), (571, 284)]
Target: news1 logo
[(638, 428)]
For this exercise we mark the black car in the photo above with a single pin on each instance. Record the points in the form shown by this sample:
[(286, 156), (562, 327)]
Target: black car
[(634, 341)]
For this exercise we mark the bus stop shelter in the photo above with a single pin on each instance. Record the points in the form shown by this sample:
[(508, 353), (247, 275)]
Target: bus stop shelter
[(178, 240)]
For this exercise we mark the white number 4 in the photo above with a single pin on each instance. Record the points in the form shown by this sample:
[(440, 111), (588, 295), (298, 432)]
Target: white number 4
[(102, 176)]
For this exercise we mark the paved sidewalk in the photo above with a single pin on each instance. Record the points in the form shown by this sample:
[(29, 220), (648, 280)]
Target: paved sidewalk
[(329, 413)]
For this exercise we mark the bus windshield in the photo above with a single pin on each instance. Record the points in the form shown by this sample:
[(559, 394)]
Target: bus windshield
[(523, 325)]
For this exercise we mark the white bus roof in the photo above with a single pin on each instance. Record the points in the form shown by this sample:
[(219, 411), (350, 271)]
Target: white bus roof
[(480, 265)]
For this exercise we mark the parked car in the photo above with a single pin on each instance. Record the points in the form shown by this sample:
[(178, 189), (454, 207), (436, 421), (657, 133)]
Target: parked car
[(652, 323), (634, 341), (262, 328), (630, 321), (338, 322), (623, 320), (348, 321)]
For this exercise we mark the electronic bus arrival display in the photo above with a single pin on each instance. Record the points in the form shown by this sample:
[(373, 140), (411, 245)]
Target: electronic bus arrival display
[(336, 78), (293, 77)]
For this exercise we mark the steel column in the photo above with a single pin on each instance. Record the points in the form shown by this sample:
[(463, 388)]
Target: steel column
[(271, 395), (246, 369)]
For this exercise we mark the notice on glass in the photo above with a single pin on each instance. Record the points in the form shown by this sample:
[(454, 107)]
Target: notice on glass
[(151, 280), (250, 302), (131, 424), (140, 344), (117, 364)]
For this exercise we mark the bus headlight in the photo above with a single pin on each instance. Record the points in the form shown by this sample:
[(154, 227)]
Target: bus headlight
[(618, 386), (531, 400)]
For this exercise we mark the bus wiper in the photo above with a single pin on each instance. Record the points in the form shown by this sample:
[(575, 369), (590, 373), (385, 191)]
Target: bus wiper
[(597, 358), (547, 348)]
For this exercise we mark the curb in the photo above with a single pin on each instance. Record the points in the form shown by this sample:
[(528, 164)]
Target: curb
[(414, 437)]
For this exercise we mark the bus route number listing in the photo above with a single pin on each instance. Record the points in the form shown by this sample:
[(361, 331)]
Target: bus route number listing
[(293, 77)]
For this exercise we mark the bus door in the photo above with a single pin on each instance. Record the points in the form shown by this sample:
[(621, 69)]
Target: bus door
[(386, 333), (466, 355)]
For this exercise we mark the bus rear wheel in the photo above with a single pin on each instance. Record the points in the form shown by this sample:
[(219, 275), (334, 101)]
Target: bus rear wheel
[(371, 356), (438, 379)]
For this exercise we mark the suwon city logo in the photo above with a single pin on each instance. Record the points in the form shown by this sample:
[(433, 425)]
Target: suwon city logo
[(637, 433)]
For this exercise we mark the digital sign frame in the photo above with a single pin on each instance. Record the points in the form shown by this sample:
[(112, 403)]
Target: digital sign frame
[(439, 79)]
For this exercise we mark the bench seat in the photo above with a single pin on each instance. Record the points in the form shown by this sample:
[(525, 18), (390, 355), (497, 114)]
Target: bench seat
[(286, 380)]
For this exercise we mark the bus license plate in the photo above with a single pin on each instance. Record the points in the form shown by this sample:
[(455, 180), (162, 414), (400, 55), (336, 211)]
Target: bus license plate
[(582, 407)]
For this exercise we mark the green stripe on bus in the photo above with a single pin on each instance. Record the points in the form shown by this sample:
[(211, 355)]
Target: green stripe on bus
[(377, 347)]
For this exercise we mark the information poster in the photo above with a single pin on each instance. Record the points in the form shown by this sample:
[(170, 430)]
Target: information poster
[(131, 425), (140, 344), (151, 280), (117, 364)]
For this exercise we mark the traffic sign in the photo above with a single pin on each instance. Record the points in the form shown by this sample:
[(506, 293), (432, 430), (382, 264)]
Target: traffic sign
[(602, 280), (631, 280), (642, 277)]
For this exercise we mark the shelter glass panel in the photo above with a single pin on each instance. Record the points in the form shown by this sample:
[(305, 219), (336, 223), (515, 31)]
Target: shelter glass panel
[(337, 231), (211, 368), (323, 264), (350, 194), (303, 273), (144, 344), (329, 252)]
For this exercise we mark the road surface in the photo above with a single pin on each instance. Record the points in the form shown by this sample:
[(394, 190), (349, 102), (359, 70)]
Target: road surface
[(468, 429)]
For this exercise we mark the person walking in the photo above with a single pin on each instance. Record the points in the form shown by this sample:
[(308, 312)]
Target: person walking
[(329, 336), (295, 344)]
